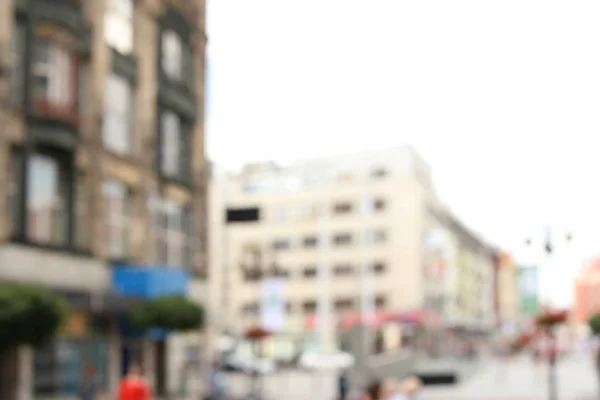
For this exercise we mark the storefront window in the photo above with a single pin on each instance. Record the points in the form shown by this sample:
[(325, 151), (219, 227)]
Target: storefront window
[(59, 367)]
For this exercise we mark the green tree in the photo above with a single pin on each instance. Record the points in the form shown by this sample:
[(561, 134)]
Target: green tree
[(29, 315), (594, 324), (173, 313)]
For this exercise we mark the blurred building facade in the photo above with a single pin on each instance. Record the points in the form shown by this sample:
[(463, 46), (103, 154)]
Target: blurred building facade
[(464, 303), (587, 292), (321, 221), (101, 170), (508, 292)]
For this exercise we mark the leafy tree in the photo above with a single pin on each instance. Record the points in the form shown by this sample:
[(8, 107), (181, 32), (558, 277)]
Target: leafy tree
[(29, 315), (173, 313), (594, 324)]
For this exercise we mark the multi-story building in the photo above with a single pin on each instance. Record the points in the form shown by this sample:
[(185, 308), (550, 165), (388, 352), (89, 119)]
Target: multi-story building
[(322, 222), (101, 166), (460, 296), (508, 293)]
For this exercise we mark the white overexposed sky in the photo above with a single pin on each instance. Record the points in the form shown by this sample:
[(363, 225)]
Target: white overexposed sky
[(502, 98)]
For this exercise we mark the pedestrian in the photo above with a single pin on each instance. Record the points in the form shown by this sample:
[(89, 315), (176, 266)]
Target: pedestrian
[(218, 382), (134, 386), (410, 389), (596, 352), (504, 355), (537, 354), (389, 389), (372, 392), (343, 385), (89, 388)]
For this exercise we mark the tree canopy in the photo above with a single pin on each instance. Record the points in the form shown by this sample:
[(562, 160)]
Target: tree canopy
[(172, 313), (594, 324), (29, 315)]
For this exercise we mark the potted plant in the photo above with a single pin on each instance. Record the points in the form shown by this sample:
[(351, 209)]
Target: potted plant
[(550, 318), (175, 313), (256, 333), (594, 324), (522, 341), (29, 315)]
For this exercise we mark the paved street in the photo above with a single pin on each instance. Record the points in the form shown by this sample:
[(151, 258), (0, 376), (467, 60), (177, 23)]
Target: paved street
[(290, 385), (517, 380), (520, 381)]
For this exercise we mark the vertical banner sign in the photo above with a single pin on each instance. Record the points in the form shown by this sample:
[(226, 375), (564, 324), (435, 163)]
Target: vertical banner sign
[(528, 282), (272, 307)]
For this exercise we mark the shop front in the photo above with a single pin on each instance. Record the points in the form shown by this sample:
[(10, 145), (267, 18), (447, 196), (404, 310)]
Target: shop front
[(86, 342), (148, 349)]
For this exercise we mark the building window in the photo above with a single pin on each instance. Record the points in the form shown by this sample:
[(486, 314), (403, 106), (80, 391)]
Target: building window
[(82, 221), (190, 238), (341, 305), (379, 173), (380, 302), (188, 66), (379, 204), (309, 272), (17, 81), (378, 268), (280, 214), (342, 208), (281, 244), (376, 236), (172, 55), (58, 368), (47, 203), (342, 239), (343, 270), (15, 191), (309, 306), (83, 89), (117, 124), (55, 79), (118, 25), (175, 146), (119, 209), (250, 309), (310, 241), (173, 241), (308, 212)]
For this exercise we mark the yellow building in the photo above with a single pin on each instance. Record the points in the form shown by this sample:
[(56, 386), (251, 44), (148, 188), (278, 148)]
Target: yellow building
[(508, 293)]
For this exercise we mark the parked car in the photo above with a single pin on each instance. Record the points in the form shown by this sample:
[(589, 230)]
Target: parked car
[(318, 359)]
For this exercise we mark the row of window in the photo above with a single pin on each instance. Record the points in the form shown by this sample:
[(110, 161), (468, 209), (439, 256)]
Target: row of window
[(311, 271), (262, 184), (176, 133), (372, 236), (57, 90), (308, 212), (311, 306), (177, 60), (54, 76), (55, 203)]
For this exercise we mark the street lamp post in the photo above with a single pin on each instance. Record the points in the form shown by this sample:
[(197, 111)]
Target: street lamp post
[(549, 330)]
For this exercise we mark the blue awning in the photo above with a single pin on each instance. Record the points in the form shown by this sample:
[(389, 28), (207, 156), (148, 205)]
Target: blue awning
[(149, 282)]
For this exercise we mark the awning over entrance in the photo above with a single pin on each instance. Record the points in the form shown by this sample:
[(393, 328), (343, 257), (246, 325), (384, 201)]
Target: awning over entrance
[(149, 282), (349, 320)]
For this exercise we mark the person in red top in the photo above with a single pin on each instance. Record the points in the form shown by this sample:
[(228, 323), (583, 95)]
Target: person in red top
[(134, 386)]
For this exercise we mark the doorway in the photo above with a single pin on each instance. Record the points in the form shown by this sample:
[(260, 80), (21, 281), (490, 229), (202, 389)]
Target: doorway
[(160, 374), (131, 353)]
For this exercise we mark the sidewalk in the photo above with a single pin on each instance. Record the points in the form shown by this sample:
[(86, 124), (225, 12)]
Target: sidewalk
[(519, 380)]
